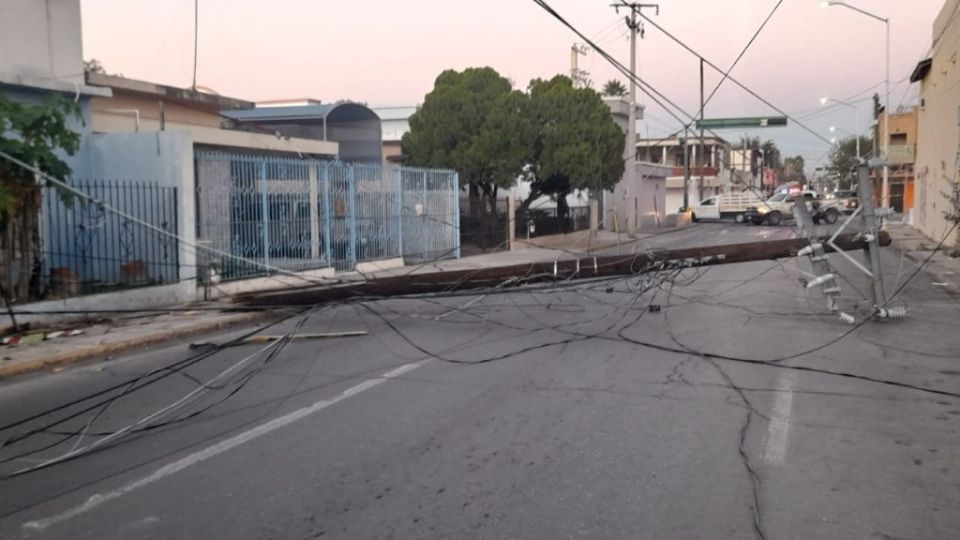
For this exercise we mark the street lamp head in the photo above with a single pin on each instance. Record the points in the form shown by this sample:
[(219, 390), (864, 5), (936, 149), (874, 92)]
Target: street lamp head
[(833, 128), (823, 100), (828, 3), (833, 140)]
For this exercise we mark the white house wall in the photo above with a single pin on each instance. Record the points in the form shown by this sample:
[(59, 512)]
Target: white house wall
[(164, 158), (42, 39)]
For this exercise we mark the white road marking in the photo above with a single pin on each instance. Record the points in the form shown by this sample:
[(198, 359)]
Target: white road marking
[(778, 431), (219, 448)]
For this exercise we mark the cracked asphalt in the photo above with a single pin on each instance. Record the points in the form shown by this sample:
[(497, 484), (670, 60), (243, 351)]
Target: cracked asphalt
[(573, 412)]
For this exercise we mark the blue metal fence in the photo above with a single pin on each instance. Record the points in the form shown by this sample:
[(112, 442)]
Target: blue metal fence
[(88, 249), (302, 214)]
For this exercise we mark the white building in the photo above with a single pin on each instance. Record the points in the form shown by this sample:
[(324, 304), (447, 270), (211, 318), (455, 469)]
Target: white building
[(394, 122), (641, 202), (707, 160)]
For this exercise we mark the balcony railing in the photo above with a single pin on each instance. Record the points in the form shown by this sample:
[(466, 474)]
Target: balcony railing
[(901, 154), (696, 171)]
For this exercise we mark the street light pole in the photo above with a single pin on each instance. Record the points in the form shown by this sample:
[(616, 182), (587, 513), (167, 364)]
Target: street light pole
[(856, 118), (885, 188)]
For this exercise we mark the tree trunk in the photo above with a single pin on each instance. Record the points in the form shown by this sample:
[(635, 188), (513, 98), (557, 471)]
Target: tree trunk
[(475, 201)]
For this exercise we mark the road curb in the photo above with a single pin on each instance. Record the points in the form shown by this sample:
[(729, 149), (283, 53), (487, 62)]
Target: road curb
[(85, 353), (641, 236)]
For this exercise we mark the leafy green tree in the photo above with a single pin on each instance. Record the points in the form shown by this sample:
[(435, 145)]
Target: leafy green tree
[(793, 170), (614, 88), (843, 159), (578, 145), (39, 135), (771, 156), (471, 122)]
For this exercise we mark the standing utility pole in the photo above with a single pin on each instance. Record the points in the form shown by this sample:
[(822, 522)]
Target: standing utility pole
[(635, 27), (885, 189), (196, 24), (579, 77), (703, 150)]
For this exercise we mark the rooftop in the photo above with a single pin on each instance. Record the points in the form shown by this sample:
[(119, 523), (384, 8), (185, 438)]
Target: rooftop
[(316, 111), (172, 93)]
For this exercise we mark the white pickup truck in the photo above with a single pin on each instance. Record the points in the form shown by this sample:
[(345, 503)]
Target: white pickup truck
[(780, 207), (725, 205)]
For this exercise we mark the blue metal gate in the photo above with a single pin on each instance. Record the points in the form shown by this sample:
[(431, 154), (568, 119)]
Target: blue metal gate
[(302, 214)]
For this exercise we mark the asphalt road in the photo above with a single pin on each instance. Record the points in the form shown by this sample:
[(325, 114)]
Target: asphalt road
[(576, 411)]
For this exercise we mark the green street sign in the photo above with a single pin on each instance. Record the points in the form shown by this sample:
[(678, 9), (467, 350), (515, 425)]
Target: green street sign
[(747, 122)]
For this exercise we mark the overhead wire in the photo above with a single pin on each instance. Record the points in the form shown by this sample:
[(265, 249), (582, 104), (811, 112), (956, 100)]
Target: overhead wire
[(146, 423)]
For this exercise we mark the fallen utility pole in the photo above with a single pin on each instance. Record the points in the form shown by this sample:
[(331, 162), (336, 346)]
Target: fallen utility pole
[(582, 268)]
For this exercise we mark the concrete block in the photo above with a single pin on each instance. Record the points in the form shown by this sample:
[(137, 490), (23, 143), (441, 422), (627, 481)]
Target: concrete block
[(648, 221), (52, 311), (681, 219), (378, 266), (278, 281)]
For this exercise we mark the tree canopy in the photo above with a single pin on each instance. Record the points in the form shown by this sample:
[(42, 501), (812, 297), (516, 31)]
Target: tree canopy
[(557, 137), (471, 122), (843, 158), (578, 146), (793, 170), (34, 134)]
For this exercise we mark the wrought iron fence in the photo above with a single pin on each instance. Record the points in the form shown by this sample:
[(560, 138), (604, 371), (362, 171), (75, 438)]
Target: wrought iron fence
[(483, 229), (302, 214), (545, 221), (87, 249)]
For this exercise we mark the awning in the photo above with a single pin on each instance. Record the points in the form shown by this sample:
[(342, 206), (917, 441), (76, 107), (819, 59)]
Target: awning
[(919, 72)]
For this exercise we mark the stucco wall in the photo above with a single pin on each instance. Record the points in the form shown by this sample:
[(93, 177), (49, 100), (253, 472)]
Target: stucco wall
[(112, 115), (42, 39), (938, 137), (162, 157)]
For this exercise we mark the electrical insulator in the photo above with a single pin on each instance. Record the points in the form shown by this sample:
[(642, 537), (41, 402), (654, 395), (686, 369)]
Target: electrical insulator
[(820, 280), (847, 318), (895, 313)]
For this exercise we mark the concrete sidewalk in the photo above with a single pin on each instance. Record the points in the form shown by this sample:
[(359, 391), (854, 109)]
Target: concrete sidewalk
[(944, 269), (107, 337)]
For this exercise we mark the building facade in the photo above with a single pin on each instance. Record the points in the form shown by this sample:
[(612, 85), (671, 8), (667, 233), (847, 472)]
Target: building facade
[(707, 161), (42, 56), (354, 127), (901, 157), (938, 126), (394, 122)]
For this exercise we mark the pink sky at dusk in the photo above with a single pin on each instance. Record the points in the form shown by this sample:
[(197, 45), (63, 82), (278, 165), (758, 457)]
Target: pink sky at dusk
[(388, 52)]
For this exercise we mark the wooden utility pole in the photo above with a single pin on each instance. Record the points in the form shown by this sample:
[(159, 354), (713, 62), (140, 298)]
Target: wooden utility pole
[(582, 268)]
